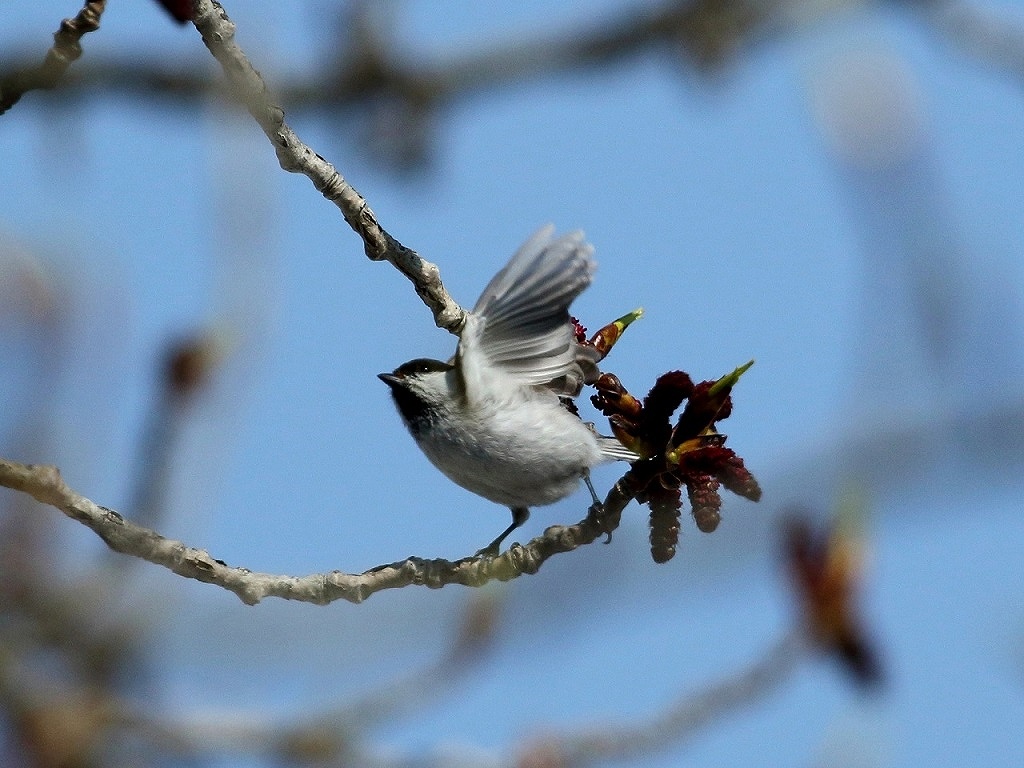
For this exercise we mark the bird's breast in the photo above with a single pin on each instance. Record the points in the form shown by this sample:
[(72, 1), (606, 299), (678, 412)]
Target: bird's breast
[(520, 454)]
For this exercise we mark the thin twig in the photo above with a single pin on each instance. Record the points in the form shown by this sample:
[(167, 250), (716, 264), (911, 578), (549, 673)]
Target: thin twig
[(991, 37), (66, 48), (685, 717), (706, 33), (218, 32), (44, 483), (331, 735)]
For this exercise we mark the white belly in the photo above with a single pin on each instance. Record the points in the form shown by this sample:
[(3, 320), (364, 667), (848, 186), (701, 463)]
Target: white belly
[(516, 456)]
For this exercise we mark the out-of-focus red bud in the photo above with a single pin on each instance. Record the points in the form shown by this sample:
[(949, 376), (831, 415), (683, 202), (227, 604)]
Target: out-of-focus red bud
[(188, 365), (825, 566), (180, 10)]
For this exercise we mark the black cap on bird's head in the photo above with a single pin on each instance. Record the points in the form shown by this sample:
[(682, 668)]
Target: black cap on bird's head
[(413, 367), (413, 401)]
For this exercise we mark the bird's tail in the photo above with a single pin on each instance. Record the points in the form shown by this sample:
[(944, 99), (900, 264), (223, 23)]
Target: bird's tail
[(613, 450)]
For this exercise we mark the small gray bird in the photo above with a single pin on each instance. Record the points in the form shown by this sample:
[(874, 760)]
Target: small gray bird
[(491, 419)]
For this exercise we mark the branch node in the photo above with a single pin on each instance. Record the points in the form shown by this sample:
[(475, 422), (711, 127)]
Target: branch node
[(200, 559), (523, 560), (112, 517)]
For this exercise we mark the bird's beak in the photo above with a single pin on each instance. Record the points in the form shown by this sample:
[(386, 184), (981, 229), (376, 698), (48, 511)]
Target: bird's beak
[(390, 379)]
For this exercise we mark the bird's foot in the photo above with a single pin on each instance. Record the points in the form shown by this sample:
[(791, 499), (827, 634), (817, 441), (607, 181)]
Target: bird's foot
[(597, 516)]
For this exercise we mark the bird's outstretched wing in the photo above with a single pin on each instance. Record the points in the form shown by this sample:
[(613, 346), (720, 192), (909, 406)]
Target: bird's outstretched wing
[(520, 325)]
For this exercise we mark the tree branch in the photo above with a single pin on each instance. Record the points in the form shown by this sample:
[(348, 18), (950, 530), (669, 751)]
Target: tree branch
[(689, 715), (45, 484), (361, 67), (218, 32), (984, 34), (66, 48)]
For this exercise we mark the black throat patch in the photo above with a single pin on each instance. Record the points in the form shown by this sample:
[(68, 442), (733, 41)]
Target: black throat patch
[(415, 411)]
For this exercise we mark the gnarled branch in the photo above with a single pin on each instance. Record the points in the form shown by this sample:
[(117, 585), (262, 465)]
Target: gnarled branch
[(44, 483)]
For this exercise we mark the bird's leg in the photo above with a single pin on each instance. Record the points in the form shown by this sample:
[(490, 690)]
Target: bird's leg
[(519, 516), (596, 511), (590, 487)]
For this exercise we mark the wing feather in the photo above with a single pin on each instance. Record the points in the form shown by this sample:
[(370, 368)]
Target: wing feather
[(520, 325)]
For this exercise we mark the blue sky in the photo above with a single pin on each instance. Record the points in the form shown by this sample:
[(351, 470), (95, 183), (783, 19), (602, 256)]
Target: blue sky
[(727, 209)]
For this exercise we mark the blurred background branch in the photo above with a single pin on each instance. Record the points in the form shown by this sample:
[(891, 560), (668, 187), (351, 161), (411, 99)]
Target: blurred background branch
[(67, 47), (365, 74)]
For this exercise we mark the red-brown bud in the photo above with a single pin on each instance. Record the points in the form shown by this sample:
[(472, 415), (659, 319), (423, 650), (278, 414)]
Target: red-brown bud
[(605, 338), (612, 397)]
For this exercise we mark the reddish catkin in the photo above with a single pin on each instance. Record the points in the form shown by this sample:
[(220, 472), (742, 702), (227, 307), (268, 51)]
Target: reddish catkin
[(702, 491), (691, 453), (665, 504), (738, 479)]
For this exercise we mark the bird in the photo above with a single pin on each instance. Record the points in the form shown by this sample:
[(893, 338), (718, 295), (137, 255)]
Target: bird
[(494, 418)]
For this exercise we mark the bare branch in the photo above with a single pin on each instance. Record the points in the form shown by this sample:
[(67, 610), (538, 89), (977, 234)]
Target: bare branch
[(992, 38), (687, 716), (218, 33), (45, 484), (704, 33), (66, 49), (336, 734)]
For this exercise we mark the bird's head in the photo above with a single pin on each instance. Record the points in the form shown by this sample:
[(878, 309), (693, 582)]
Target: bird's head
[(421, 390)]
